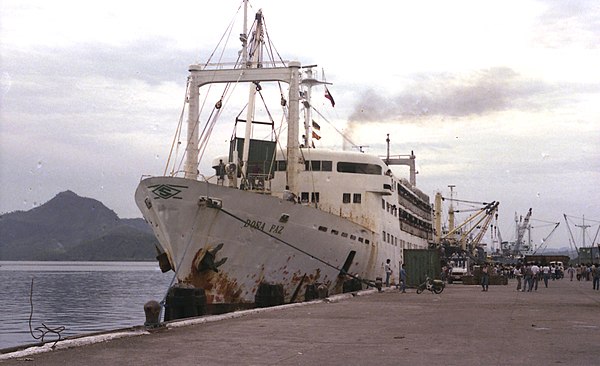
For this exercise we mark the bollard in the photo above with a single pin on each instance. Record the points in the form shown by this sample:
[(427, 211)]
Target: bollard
[(379, 283), (152, 310), (322, 291)]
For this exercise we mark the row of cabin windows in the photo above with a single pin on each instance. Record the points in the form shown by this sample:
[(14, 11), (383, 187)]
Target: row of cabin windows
[(314, 197), (345, 235), (404, 215), (389, 208), (391, 239), (327, 166), (403, 192)]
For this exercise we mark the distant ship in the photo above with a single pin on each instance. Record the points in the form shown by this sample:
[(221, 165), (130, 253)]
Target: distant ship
[(287, 218)]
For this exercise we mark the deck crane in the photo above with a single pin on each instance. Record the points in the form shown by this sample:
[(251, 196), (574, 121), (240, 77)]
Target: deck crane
[(485, 213), (521, 227), (571, 233), (545, 240)]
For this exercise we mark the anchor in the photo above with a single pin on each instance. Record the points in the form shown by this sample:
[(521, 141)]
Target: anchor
[(208, 261)]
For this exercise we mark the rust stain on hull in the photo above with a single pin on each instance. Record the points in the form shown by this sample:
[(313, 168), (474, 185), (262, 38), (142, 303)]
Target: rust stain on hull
[(219, 288)]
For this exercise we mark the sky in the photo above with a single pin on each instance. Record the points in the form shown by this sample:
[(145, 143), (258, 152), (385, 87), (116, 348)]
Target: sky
[(499, 98)]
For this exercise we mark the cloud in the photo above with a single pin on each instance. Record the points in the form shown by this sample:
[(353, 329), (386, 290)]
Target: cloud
[(153, 61), (569, 24), (480, 93)]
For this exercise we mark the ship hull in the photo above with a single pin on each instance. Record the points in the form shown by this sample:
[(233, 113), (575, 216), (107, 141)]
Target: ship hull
[(229, 241)]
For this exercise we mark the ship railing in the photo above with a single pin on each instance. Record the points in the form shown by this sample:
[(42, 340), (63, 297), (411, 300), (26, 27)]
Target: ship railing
[(260, 183)]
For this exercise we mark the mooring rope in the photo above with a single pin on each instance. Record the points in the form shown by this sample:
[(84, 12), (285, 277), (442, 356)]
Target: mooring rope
[(44, 329)]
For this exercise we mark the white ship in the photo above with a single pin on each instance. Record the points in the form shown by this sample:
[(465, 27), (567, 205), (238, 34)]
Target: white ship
[(291, 216)]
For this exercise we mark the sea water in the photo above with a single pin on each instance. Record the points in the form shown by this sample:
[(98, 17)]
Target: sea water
[(82, 297)]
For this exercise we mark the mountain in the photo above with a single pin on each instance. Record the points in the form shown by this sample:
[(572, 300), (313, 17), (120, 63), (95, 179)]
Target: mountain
[(70, 227)]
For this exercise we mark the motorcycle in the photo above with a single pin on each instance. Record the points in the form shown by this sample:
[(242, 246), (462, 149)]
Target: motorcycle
[(435, 286)]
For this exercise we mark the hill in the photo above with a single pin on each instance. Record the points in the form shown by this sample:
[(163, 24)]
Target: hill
[(70, 227)]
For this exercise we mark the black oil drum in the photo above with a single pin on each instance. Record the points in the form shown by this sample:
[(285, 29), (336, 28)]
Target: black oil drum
[(185, 302)]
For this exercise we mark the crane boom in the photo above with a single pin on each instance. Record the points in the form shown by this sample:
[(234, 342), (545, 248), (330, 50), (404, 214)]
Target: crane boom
[(488, 218), (571, 233), (547, 237), (521, 231)]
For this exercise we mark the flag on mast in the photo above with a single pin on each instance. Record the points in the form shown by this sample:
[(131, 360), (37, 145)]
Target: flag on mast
[(315, 127), (327, 93), (328, 96)]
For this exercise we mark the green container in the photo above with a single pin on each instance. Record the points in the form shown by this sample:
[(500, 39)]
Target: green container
[(420, 263)]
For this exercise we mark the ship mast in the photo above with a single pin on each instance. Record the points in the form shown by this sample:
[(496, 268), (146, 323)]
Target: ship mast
[(308, 81), (251, 73), (253, 88)]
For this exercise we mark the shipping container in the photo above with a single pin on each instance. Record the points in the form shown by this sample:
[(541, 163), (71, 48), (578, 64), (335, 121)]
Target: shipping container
[(420, 263)]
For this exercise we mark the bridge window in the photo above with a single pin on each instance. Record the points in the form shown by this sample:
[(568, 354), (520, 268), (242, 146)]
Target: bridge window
[(318, 165), (280, 165), (314, 165), (358, 168)]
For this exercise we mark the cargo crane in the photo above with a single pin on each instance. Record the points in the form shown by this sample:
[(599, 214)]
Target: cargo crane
[(524, 225), (460, 246), (483, 215), (545, 240), (467, 236)]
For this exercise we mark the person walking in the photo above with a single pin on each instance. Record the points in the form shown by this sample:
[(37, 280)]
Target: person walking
[(485, 278), (519, 275), (528, 279), (535, 278), (571, 271), (388, 272), (402, 279), (596, 277), (546, 274)]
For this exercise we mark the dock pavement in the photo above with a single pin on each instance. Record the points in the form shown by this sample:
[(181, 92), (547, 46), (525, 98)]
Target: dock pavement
[(461, 326)]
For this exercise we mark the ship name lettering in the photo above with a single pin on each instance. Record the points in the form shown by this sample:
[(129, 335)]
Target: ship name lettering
[(255, 224), (276, 229)]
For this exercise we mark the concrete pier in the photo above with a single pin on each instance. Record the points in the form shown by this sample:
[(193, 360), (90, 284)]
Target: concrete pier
[(462, 326)]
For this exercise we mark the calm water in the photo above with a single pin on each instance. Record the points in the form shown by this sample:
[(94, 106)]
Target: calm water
[(83, 297)]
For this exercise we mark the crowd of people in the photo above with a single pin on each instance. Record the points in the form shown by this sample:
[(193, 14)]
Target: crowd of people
[(530, 275), (586, 272)]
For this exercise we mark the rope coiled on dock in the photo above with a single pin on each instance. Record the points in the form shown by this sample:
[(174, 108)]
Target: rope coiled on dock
[(44, 329)]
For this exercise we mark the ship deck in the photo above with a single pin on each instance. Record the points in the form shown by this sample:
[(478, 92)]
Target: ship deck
[(461, 326)]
